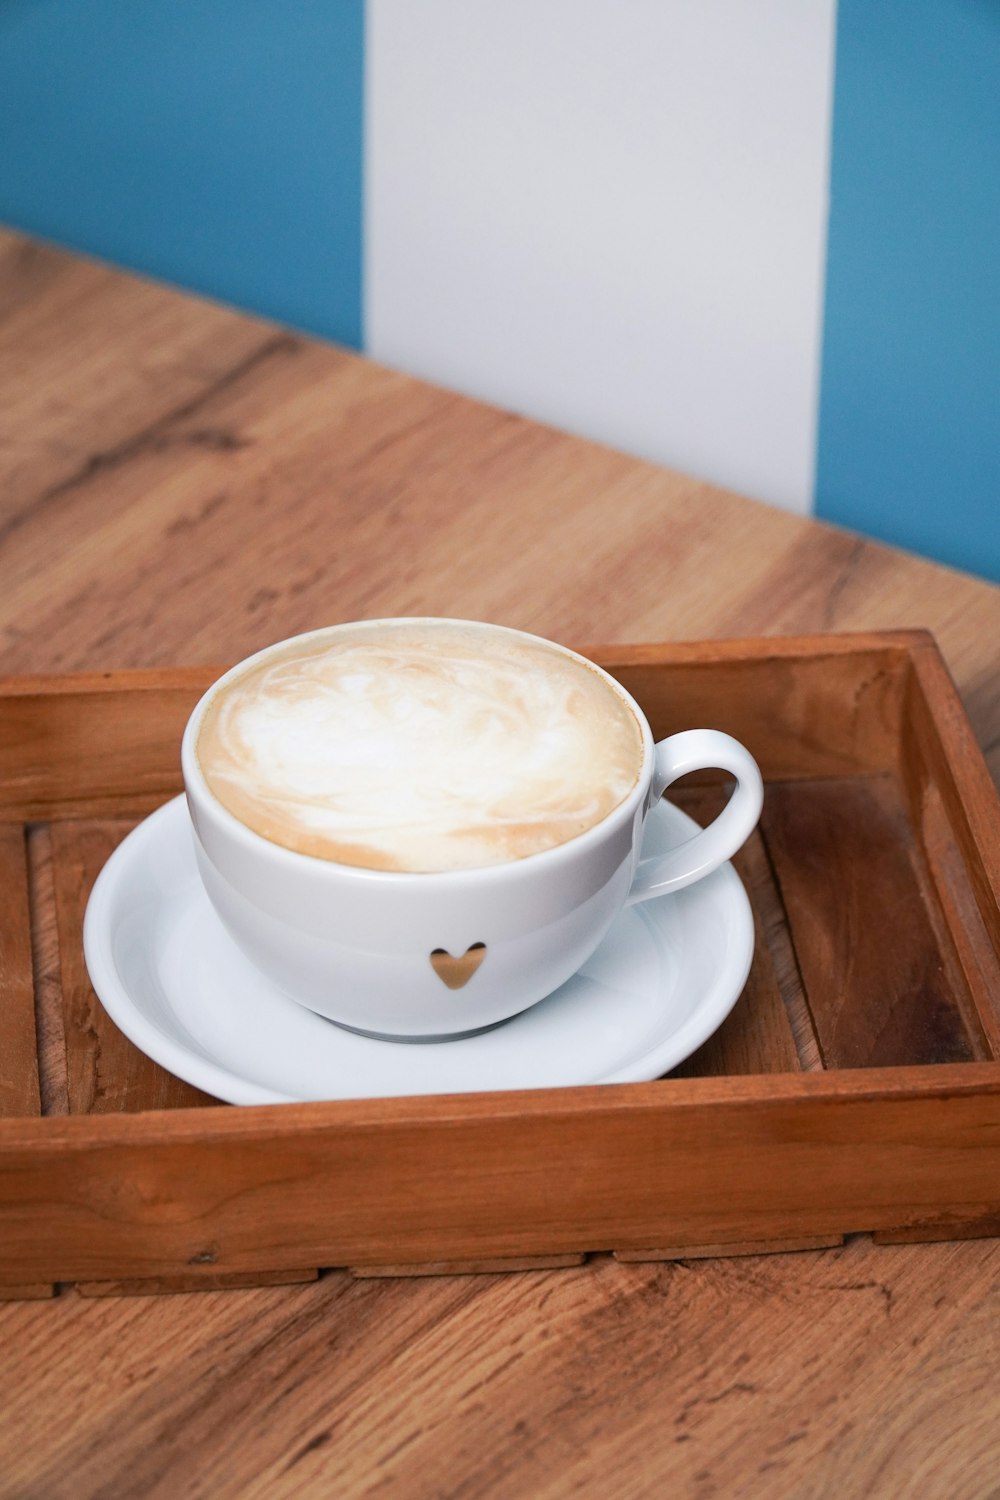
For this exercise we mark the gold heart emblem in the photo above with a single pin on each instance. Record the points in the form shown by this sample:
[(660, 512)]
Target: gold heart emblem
[(456, 972)]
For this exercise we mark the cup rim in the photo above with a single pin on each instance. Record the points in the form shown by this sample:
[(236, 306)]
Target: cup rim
[(199, 791)]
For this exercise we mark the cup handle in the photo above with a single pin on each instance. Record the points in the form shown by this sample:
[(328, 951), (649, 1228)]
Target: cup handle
[(696, 750)]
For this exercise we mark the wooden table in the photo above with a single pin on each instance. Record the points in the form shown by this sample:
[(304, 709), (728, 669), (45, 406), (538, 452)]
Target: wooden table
[(183, 484)]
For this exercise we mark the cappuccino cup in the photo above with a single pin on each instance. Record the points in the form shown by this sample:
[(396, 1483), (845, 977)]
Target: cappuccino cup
[(420, 827)]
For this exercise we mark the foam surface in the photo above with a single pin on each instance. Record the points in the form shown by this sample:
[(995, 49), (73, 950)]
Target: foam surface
[(419, 746)]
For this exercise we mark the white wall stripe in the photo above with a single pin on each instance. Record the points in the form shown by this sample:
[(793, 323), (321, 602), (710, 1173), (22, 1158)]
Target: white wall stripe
[(610, 217)]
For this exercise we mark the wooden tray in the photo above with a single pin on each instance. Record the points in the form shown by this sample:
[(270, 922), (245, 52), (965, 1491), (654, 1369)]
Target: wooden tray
[(854, 1088)]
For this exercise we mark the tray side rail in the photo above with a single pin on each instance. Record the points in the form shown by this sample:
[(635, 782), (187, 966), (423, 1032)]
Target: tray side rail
[(955, 810), (392, 1182), (107, 744)]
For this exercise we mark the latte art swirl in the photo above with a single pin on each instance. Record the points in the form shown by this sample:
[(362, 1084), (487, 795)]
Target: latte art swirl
[(419, 746)]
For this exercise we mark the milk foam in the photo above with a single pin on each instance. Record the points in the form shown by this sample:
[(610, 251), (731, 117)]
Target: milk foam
[(419, 746)]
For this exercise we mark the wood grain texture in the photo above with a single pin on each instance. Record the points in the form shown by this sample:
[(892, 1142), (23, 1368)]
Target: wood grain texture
[(484, 1176), (841, 720), (105, 1072), (782, 1374), (80, 744), (19, 1091), (49, 1016), (880, 991), (151, 1286), (725, 1248), (498, 1266), (78, 748), (757, 1036), (181, 484), (953, 811), (27, 1291)]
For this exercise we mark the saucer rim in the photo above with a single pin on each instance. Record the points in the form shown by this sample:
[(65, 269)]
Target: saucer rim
[(193, 1066)]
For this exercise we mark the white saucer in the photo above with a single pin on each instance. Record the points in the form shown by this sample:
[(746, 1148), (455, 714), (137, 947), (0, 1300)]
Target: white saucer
[(173, 981)]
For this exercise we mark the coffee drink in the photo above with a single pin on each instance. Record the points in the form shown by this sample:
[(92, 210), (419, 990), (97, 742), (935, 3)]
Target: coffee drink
[(419, 828), (419, 745)]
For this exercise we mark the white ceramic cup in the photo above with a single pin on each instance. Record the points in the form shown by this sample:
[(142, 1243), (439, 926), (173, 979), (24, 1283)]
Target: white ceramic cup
[(433, 955)]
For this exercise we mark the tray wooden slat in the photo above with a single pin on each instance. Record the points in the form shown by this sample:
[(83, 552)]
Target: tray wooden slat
[(105, 1072), (19, 1090), (49, 1017), (927, 1231), (151, 1286), (499, 1265), (696, 1161), (726, 1248), (20, 1093), (28, 1291), (953, 808), (875, 978), (757, 1036)]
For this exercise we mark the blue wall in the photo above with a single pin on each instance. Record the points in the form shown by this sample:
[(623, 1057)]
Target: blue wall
[(214, 143), (218, 144), (909, 435)]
